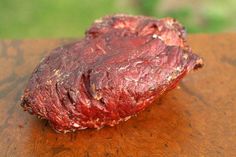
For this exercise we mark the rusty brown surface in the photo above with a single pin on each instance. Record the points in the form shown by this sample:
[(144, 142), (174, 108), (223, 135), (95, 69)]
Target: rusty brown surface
[(198, 119)]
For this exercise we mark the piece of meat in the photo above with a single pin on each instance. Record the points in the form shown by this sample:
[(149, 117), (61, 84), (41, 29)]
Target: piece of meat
[(121, 66)]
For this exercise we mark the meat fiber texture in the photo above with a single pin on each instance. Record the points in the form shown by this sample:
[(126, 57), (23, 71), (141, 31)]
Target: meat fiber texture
[(117, 70)]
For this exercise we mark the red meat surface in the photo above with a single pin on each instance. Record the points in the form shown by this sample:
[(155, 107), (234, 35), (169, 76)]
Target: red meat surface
[(118, 69)]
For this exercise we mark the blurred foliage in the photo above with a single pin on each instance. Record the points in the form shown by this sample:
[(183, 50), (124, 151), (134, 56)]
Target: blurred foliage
[(70, 18), (213, 16), (52, 18), (148, 6)]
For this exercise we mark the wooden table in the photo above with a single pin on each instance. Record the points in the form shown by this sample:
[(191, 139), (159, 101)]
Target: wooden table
[(198, 119)]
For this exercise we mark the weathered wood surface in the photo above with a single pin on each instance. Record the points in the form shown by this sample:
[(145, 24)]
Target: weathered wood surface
[(198, 119)]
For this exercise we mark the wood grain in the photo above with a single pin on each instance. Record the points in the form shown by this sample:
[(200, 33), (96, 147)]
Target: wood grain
[(198, 119)]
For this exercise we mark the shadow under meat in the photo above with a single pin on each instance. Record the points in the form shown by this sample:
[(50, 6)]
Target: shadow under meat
[(162, 125)]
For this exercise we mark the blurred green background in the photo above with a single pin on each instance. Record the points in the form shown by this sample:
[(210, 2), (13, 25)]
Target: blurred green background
[(70, 18)]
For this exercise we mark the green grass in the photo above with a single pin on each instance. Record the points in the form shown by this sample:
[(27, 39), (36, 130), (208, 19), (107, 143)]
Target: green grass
[(52, 18), (70, 18)]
